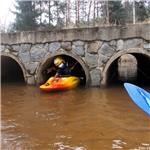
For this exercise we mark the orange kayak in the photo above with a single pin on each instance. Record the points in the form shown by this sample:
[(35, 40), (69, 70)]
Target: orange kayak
[(60, 83)]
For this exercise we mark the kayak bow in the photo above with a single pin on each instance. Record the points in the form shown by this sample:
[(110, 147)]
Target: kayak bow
[(139, 96)]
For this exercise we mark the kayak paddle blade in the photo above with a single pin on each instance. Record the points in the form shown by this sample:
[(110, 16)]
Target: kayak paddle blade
[(139, 96)]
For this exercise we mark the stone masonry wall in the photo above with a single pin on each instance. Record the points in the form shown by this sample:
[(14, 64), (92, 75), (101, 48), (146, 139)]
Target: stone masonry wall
[(94, 52)]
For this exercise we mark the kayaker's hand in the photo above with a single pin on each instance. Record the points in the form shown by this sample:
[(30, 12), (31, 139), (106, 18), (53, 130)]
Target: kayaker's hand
[(46, 71), (50, 69)]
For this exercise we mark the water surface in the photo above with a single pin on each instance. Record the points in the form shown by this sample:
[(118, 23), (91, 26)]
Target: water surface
[(79, 119)]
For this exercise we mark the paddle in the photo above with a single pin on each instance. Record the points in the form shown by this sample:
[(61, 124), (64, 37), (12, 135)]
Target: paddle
[(139, 96)]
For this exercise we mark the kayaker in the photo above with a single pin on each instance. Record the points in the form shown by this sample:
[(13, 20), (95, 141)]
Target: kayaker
[(61, 67)]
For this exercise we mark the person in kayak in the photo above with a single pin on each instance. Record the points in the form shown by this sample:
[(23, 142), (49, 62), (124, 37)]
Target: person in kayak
[(61, 67)]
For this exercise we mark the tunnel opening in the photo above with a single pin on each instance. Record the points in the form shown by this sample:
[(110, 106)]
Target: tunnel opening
[(143, 72), (77, 69), (112, 76), (11, 71)]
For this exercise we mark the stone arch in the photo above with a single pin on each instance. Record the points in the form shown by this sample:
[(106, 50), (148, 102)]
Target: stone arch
[(117, 55), (18, 62), (49, 58)]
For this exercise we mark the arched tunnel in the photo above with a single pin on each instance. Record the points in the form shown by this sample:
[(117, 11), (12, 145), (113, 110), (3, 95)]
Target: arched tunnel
[(143, 71), (11, 71), (76, 69)]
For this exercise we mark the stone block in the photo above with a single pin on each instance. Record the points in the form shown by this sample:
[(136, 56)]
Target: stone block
[(25, 57), (53, 47), (120, 45), (113, 44), (25, 47), (31, 67), (16, 48), (146, 45), (31, 80), (102, 60), (66, 45), (106, 50), (38, 51), (95, 77), (133, 43), (78, 49), (91, 60), (92, 47)]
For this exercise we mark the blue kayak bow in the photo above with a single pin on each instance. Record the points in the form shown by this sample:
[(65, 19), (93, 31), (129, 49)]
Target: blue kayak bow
[(139, 96)]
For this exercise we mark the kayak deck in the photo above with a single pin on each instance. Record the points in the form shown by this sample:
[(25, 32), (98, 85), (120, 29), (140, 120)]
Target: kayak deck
[(60, 83)]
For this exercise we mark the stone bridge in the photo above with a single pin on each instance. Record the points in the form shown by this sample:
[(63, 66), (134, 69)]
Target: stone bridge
[(97, 51)]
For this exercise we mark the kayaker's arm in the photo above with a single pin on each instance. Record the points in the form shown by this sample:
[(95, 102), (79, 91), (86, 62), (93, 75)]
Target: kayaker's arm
[(51, 69)]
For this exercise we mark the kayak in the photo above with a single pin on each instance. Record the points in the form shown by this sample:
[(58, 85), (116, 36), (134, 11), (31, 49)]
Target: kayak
[(139, 96), (60, 83)]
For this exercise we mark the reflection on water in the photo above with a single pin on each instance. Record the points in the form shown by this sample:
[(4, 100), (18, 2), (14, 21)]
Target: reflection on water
[(79, 119)]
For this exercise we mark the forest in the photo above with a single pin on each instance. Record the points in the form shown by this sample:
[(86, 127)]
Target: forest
[(60, 14)]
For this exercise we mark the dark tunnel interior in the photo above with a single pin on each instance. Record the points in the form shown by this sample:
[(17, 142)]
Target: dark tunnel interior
[(143, 72), (143, 77), (112, 75), (76, 71), (11, 71)]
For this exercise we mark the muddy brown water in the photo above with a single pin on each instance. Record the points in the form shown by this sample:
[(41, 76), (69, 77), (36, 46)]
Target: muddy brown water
[(79, 119)]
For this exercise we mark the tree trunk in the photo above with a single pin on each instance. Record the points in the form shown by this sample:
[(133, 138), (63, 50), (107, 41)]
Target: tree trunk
[(57, 13), (107, 11), (40, 12), (78, 11), (89, 12), (94, 14), (49, 11), (66, 13), (133, 11)]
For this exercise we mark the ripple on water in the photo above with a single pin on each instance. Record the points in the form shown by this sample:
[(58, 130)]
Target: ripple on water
[(19, 142), (143, 146), (62, 146), (118, 144), (6, 127), (47, 115)]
